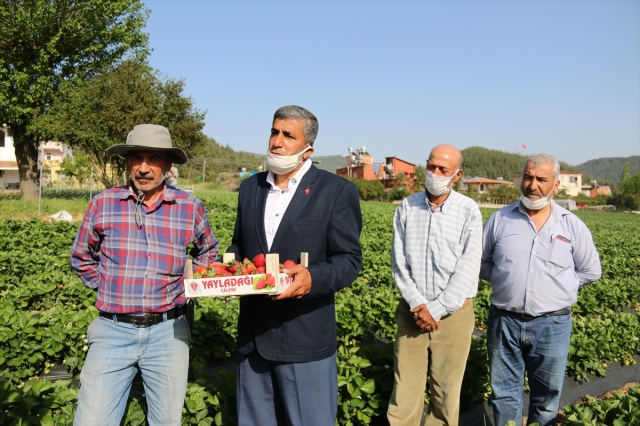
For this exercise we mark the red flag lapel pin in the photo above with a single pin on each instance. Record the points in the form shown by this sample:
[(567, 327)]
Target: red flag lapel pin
[(306, 191)]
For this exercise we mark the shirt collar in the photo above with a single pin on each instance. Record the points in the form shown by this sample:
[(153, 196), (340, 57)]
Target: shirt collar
[(556, 211), (167, 194), (295, 179), (441, 206)]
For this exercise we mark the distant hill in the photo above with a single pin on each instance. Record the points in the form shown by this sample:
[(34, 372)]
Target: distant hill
[(329, 162), (610, 168), (492, 164)]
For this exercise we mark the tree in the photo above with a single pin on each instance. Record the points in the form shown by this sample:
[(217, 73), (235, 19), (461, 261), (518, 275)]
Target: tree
[(44, 43), (631, 185), (369, 189), (96, 114), (77, 168), (629, 193), (626, 172), (420, 176)]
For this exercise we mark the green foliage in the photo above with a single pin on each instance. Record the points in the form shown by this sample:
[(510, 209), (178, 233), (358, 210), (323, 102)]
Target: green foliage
[(77, 168), (14, 206), (600, 200), (45, 43), (492, 164), (95, 114), (369, 189), (629, 193), (37, 403), (218, 159), (630, 201), (420, 176), (45, 310), (631, 185), (357, 400), (626, 172), (621, 410), (608, 169)]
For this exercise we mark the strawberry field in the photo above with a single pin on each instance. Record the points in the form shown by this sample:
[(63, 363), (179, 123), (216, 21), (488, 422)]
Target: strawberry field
[(45, 311)]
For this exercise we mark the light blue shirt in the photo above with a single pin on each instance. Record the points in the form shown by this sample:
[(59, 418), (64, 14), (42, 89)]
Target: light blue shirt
[(435, 258), (537, 272)]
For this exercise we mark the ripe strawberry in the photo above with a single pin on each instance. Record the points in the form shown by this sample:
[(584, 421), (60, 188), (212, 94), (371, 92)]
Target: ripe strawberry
[(260, 284), (246, 271), (260, 261), (232, 266), (251, 267), (218, 267), (260, 270), (271, 280), (289, 263), (200, 269)]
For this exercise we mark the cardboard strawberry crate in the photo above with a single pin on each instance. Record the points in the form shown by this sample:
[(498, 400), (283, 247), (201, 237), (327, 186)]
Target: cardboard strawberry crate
[(271, 282)]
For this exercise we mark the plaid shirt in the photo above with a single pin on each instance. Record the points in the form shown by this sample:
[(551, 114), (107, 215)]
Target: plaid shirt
[(138, 269)]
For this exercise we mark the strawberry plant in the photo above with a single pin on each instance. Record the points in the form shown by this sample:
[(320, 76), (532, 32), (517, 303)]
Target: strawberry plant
[(620, 410), (45, 311)]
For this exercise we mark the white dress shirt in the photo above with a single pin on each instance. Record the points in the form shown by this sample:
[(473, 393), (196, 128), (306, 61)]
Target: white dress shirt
[(278, 200)]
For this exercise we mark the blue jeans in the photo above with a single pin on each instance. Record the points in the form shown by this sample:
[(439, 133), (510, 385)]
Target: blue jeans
[(116, 351), (538, 346)]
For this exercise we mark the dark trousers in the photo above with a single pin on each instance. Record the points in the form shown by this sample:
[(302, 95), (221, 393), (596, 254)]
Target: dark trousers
[(281, 393)]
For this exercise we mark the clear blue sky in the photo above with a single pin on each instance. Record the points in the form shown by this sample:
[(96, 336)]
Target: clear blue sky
[(400, 77)]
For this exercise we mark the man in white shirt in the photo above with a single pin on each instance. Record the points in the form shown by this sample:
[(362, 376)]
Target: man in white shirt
[(287, 371), (437, 244)]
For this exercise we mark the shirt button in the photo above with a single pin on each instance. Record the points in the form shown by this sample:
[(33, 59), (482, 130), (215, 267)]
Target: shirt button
[(146, 275), (144, 297), (282, 192), (276, 214), (532, 270), (533, 252), (148, 254)]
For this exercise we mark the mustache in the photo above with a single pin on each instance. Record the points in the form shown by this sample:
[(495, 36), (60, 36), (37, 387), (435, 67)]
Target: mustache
[(144, 175), (536, 192)]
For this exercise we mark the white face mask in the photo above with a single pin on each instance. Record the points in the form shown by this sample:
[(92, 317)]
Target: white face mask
[(538, 204), (438, 185), (282, 164)]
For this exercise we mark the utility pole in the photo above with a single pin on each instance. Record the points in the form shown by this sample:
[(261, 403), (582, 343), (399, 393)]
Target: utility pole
[(40, 167), (203, 164)]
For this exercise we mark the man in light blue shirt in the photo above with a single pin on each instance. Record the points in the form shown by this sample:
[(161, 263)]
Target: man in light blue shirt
[(437, 244), (536, 255)]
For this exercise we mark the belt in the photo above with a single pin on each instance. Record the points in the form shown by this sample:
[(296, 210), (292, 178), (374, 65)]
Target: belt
[(564, 311), (146, 319)]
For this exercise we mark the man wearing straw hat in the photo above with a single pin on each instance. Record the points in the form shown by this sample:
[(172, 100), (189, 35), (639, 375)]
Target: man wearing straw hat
[(131, 248)]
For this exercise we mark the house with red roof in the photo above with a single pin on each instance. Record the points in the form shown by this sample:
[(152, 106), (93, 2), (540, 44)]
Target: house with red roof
[(483, 185)]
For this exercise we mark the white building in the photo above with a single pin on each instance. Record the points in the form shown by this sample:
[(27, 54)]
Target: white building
[(9, 178), (50, 154)]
